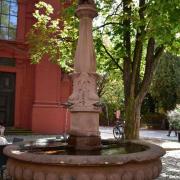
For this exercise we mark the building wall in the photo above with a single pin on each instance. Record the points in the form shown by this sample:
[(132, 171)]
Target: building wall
[(48, 113), (40, 89)]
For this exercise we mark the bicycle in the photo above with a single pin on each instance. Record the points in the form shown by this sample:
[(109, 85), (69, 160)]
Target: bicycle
[(118, 130)]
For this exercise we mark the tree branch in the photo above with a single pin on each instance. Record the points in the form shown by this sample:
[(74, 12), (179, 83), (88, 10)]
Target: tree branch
[(148, 69), (112, 58), (106, 24), (127, 45), (152, 59), (101, 85), (127, 27), (137, 51), (158, 52), (113, 13)]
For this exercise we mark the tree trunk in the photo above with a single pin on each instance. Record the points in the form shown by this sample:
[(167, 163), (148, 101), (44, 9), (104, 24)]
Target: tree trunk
[(134, 91), (132, 117)]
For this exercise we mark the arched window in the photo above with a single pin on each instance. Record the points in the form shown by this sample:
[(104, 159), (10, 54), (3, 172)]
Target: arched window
[(8, 19)]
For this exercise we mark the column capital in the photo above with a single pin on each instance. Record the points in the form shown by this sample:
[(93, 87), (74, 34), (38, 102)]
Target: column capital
[(86, 10)]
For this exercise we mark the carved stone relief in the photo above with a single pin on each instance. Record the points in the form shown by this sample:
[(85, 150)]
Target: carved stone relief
[(84, 94)]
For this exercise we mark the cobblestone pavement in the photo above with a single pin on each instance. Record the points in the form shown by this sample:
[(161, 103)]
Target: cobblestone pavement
[(171, 166)]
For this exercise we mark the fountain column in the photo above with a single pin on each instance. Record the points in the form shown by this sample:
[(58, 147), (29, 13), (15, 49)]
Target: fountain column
[(84, 101)]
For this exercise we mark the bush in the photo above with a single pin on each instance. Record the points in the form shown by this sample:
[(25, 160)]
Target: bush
[(174, 118), (155, 121)]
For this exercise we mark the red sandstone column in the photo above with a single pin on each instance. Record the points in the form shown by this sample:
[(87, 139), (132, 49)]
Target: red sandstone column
[(84, 125)]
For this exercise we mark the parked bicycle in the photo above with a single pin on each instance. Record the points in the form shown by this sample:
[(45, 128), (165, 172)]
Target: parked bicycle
[(118, 130)]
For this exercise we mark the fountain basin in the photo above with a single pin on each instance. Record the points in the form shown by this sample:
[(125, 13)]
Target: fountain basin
[(32, 164)]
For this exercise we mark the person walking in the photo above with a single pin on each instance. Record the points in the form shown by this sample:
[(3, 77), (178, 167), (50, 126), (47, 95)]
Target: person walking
[(173, 118), (172, 127)]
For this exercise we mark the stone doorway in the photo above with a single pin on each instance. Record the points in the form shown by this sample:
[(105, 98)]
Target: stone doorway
[(7, 97)]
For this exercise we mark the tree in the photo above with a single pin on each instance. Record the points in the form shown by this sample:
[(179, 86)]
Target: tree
[(166, 82), (130, 39), (137, 41)]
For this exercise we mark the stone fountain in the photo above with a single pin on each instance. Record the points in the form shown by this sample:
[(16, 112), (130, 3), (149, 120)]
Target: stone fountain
[(85, 156)]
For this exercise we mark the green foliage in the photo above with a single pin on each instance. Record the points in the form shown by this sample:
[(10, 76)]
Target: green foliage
[(161, 21), (113, 91), (112, 95), (154, 120), (174, 118), (166, 83), (53, 37)]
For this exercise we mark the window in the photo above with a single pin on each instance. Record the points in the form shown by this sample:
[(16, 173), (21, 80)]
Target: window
[(7, 62), (8, 19)]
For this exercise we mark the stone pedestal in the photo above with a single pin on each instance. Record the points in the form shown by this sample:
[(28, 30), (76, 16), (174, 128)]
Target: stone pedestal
[(84, 101), (85, 142)]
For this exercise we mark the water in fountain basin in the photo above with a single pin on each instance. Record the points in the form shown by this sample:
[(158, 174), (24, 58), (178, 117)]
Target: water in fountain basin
[(55, 147)]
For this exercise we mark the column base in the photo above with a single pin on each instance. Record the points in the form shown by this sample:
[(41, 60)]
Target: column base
[(84, 142)]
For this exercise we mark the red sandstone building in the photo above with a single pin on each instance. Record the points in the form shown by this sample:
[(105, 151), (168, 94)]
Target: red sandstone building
[(30, 95)]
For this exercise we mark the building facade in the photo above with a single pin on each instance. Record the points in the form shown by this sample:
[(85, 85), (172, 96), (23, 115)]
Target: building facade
[(30, 95)]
